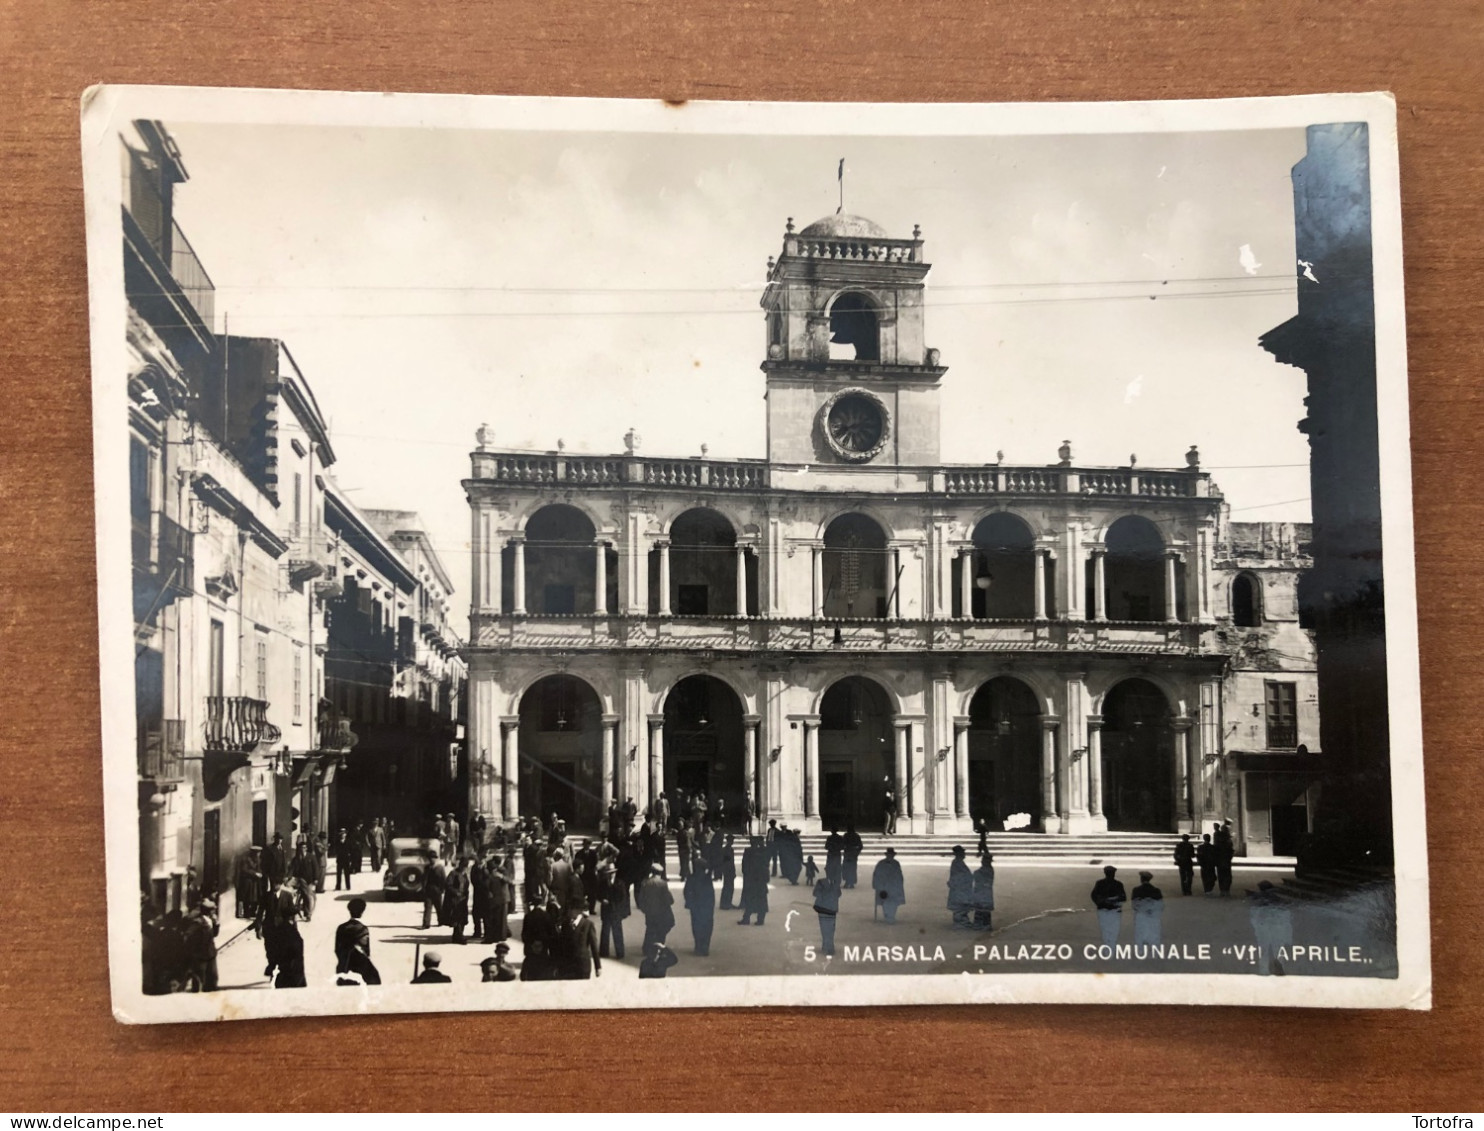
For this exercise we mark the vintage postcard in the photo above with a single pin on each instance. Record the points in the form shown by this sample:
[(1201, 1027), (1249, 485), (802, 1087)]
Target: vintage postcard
[(742, 553)]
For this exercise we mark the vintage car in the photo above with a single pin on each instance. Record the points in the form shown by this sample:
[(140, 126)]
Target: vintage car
[(407, 863)]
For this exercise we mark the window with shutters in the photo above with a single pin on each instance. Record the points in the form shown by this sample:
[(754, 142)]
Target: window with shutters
[(1282, 710)]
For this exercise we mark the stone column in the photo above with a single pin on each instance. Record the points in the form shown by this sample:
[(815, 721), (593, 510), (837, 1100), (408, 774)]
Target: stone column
[(752, 773), (966, 582), (510, 768), (664, 548), (610, 788), (961, 767), (895, 609), (1095, 768), (1170, 587), (518, 576), (1099, 585), (903, 781), (600, 577), (911, 798), (656, 756), (816, 599), (741, 581), (811, 768), (1185, 804), (1049, 820), (1040, 584)]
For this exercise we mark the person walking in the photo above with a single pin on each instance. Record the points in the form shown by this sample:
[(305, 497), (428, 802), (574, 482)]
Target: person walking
[(984, 892), (827, 908), (1185, 861), (435, 879), (376, 843), (888, 887), (684, 848), (770, 840), (657, 906), (613, 907), (1205, 856), (582, 960), (700, 901), (754, 882), (321, 851), (854, 846), (501, 889), (353, 945), (478, 826), (834, 855), (888, 809), (480, 882), (1148, 903), (301, 874), (275, 862), (345, 860), (1226, 849), (1108, 896), (456, 900), (282, 943), (960, 888), (728, 857)]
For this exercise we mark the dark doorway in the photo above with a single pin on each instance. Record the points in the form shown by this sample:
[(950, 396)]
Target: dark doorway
[(561, 751), (1138, 759), (856, 758), (1290, 823), (260, 822), (1004, 753), (211, 851), (837, 789), (705, 748)]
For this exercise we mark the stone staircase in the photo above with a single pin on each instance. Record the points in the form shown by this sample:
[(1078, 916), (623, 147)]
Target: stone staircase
[(1117, 848)]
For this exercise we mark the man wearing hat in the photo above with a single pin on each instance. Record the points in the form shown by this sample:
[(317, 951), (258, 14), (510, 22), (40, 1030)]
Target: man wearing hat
[(498, 968), (657, 906), (430, 972), (1149, 906), (886, 879), (1108, 897), (960, 888)]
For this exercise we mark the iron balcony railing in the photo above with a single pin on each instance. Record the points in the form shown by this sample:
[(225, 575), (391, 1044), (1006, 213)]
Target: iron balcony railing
[(165, 238), (237, 725), (1282, 736)]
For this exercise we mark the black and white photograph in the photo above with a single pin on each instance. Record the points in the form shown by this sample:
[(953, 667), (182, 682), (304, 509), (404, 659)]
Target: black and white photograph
[(810, 554)]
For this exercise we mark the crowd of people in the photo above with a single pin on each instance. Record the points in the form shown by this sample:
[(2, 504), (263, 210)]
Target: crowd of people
[(575, 895)]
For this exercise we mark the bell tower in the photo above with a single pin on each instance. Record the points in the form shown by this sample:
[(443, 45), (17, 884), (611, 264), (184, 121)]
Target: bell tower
[(851, 382)]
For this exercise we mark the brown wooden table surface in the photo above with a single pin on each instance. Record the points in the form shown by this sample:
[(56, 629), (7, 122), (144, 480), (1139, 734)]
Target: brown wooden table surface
[(60, 1050)]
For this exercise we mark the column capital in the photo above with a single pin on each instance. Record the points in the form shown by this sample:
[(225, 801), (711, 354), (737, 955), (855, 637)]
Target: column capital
[(517, 538), (810, 721), (509, 722), (611, 721), (656, 721), (1181, 724), (962, 722), (751, 720), (1050, 722), (662, 542), (1094, 722)]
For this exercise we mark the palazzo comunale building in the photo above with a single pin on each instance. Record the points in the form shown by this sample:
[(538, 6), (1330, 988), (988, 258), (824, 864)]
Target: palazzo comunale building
[(1059, 648)]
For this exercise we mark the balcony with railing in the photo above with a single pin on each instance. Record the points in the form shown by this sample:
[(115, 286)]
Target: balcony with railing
[(150, 212), (770, 634), (553, 469), (237, 725)]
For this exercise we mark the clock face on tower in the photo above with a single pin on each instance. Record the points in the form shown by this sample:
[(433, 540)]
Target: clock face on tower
[(855, 424)]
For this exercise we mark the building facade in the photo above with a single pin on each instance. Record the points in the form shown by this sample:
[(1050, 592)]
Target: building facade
[(1042, 647)]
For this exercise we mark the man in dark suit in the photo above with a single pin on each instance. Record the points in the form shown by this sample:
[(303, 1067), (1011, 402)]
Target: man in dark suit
[(1185, 861), (275, 862), (430, 971), (435, 879), (353, 945), (456, 900), (1109, 896)]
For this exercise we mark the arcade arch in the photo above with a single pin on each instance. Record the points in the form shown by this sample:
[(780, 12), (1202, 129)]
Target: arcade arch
[(855, 574), (1004, 753), (705, 747), (1139, 758), (856, 757), (561, 751)]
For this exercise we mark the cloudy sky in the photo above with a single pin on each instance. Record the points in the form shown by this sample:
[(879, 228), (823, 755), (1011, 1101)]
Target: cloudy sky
[(1108, 290)]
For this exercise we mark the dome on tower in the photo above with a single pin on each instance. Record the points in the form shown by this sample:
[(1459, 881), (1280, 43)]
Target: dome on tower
[(844, 225)]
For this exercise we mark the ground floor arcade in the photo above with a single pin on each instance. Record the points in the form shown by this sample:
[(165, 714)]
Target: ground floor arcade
[(1055, 744)]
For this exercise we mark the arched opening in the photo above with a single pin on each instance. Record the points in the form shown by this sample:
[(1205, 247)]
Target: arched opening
[(856, 579), (561, 751), (705, 747), (1246, 601), (1138, 759), (703, 567), (856, 759), (855, 330), (1003, 570), (1134, 571), (560, 565), (1004, 753)]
